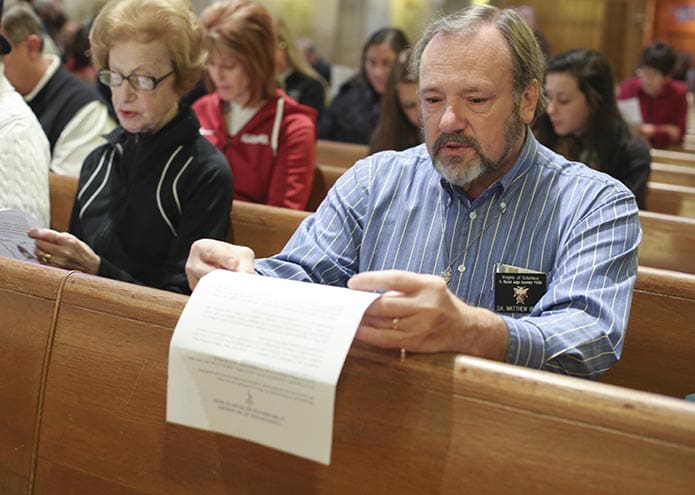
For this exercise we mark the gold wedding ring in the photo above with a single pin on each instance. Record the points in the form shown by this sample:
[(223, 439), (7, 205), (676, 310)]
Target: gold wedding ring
[(46, 258), (394, 323)]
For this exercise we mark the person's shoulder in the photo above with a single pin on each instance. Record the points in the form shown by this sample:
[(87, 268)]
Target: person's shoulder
[(205, 102), (678, 87), (295, 113), (208, 157), (629, 88), (570, 175)]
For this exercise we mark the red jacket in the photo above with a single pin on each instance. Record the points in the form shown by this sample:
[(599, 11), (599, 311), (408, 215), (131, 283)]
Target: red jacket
[(669, 107), (273, 156)]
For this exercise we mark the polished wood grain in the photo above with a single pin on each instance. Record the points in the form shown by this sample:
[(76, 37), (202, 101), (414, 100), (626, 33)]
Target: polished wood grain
[(424, 424), (339, 154), (671, 199), (265, 229), (667, 173), (668, 242), (660, 339), (28, 303)]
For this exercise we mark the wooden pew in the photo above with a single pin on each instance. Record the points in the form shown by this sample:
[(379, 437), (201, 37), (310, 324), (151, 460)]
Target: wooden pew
[(672, 174), (659, 352), (667, 242), (673, 157), (339, 154), (671, 199), (265, 229), (324, 178), (28, 305), (425, 424), (62, 189)]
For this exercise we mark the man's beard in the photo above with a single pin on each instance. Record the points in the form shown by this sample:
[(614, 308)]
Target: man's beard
[(453, 169)]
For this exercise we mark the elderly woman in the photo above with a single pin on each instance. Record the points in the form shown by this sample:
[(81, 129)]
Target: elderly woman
[(268, 138), (157, 185)]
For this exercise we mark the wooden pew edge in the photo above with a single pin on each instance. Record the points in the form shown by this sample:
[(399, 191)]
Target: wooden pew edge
[(660, 281), (629, 411)]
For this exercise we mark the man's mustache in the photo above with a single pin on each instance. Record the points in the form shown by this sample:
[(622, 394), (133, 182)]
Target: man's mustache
[(455, 138)]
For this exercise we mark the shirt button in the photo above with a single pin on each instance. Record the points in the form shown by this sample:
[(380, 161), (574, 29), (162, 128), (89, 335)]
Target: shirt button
[(503, 206), (472, 215), (461, 268)]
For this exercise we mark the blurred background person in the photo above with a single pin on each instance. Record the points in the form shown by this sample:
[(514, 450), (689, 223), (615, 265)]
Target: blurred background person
[(299, 79), (583, 123), (354, 112), (317, 62), (663, 100), (157, 185), (24, 154), (268, 138), (76, 46), (400, 121), (528, 13), (71, 112)]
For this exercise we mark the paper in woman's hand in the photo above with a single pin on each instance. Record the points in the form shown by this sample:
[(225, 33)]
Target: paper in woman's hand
[(14, 241)]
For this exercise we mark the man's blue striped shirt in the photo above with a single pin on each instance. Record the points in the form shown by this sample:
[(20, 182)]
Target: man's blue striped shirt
[(393, 210)]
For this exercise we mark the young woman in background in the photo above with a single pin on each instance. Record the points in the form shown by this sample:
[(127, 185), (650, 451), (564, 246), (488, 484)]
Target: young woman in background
[(582, 120)]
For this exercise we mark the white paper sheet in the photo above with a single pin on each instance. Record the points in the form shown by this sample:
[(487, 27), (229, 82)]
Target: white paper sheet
[(259, 358), (14, 241), (630, 109)]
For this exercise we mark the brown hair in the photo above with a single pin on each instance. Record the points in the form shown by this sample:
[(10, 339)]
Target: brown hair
[(394, 130), (172, 22), (244, 28)]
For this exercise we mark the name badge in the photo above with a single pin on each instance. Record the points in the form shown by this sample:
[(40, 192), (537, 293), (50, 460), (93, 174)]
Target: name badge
[(517, 290)]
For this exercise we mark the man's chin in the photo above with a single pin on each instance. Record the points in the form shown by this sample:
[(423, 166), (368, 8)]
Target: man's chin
[(457, 172)]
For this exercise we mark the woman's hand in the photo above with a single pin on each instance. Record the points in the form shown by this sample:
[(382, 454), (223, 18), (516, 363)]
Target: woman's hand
[(64, 250)]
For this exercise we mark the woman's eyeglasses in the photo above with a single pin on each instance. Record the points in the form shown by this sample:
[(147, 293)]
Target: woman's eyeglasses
[(138, 83)]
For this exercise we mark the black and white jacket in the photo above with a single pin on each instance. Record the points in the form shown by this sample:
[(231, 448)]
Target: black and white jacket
[(143, 200)]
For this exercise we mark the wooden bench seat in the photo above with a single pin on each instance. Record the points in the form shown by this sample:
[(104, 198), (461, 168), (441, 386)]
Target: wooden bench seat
[(425, 424), (28, 306)]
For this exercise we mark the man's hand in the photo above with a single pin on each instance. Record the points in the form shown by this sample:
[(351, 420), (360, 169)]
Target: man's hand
[(207, 255), (419, 313)]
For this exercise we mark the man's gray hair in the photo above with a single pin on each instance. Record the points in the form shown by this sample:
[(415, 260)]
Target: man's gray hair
[(528, 63)]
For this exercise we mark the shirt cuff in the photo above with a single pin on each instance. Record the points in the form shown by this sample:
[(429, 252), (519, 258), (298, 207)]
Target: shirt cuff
[(526, 343)]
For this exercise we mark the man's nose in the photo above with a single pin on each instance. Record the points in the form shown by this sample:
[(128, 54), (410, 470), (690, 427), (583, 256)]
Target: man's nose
[(453, 119)]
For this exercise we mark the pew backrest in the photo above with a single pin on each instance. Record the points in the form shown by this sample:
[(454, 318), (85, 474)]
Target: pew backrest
[(265, 229), (28, 305), (62, 190), (423, 424), (671, 199), (667, 242), (339, 154), (673, 157), (678, 175), (659, 350)]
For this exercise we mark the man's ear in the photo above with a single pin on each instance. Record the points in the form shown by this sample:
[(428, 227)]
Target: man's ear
[(34, 44), (529, 100)]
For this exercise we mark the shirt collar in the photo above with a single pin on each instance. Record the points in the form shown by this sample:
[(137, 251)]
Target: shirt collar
[(54, 65)]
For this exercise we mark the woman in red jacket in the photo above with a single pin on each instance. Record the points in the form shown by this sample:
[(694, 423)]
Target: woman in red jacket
[(268, 138)]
